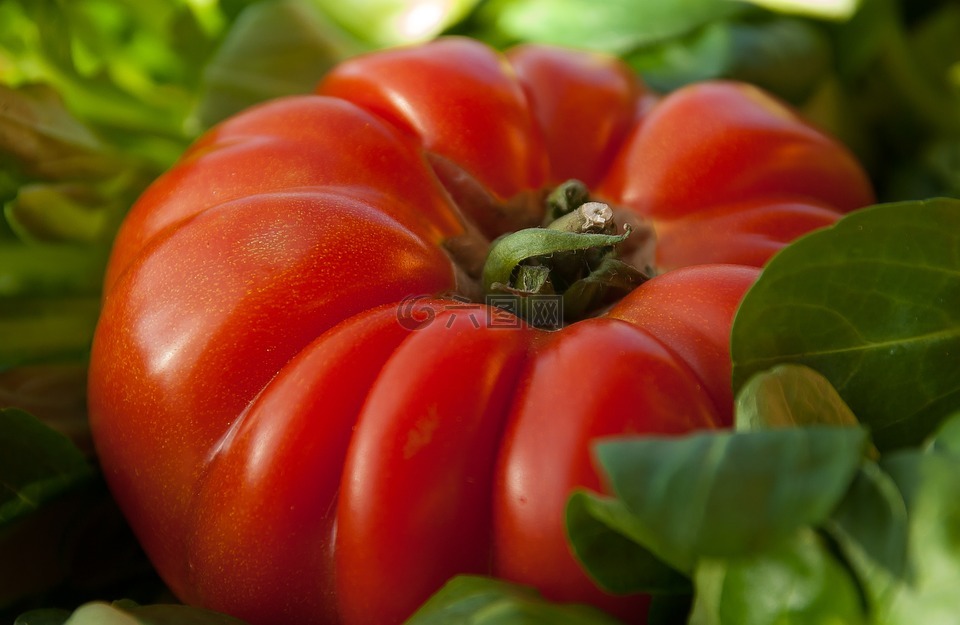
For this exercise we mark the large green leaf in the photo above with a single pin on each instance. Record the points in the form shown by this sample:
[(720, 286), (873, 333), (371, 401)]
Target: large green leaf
[(873, 304), (609, 543), (127, 68), (900, 531), (126, 613), (786, 56), (392, 22), (37, 464), (797, 582), (870, 527), (726, 494), (485, 601), (615, 26), (39, 137), (947, 438), (49, 301), (275, 48), (827, 9), (790, 395)]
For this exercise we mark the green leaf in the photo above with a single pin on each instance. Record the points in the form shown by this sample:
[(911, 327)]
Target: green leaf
[(798, 581), (37, 465), (43, 617), (49, 301), (930, 485), (615, 26), (860, 41), (61, 182), (786, 56), (275, 48), (44, 330), (392, 22), (608, 542), (824, 9), (485, 601), (870, 528), (726, 494), (704, 54), (123, 613), (55, 394), (873, 304), (127, 69), (39, 137), (59, 212), (50, 270), (900, 531), (790, 395), (947, 437)]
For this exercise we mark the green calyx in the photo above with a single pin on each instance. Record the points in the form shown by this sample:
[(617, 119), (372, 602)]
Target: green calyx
[(564, 271)]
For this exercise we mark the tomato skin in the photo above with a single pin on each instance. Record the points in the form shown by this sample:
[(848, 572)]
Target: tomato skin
[(718, 142), (563, 88), (288, 143), (296, 421), (420, 465), (691, 311), (460, 100), (173, 350), (753, 230), (583, 385), (297, 429)]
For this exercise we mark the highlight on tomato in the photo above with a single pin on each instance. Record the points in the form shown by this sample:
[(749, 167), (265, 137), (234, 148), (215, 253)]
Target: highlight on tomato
[(359, 341)]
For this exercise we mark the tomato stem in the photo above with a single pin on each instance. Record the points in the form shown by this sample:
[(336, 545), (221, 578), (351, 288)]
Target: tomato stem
[(595, 217), (566, 198), (571, 263)]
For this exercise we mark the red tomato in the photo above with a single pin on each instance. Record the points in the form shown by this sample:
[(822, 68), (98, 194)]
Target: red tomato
[(299, 421)]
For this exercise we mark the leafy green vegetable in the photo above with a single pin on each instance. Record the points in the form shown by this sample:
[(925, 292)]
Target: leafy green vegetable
[(870, 527), (796, 581), (873, 304), (898, 83), (608, 542), (947, 438), (125, 69), (723, 494), (273, 49), (48, 491), (43, 617), (615, 26), (899, 531), (392, 22), (126, 613), (785, 55), (790, 395), (39, 135), (829, 9), (486, 601), (49, 301), (37, 465)]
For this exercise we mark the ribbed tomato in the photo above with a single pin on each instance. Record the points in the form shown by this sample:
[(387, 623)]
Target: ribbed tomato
[(301, 396)]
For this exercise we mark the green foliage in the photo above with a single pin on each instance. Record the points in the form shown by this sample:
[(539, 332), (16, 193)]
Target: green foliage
[(127, 613), (872, 304), (485, 601), (37, 465)]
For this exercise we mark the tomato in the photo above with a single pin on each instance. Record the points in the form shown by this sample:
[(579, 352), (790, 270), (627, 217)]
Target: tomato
[(303, 404)]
